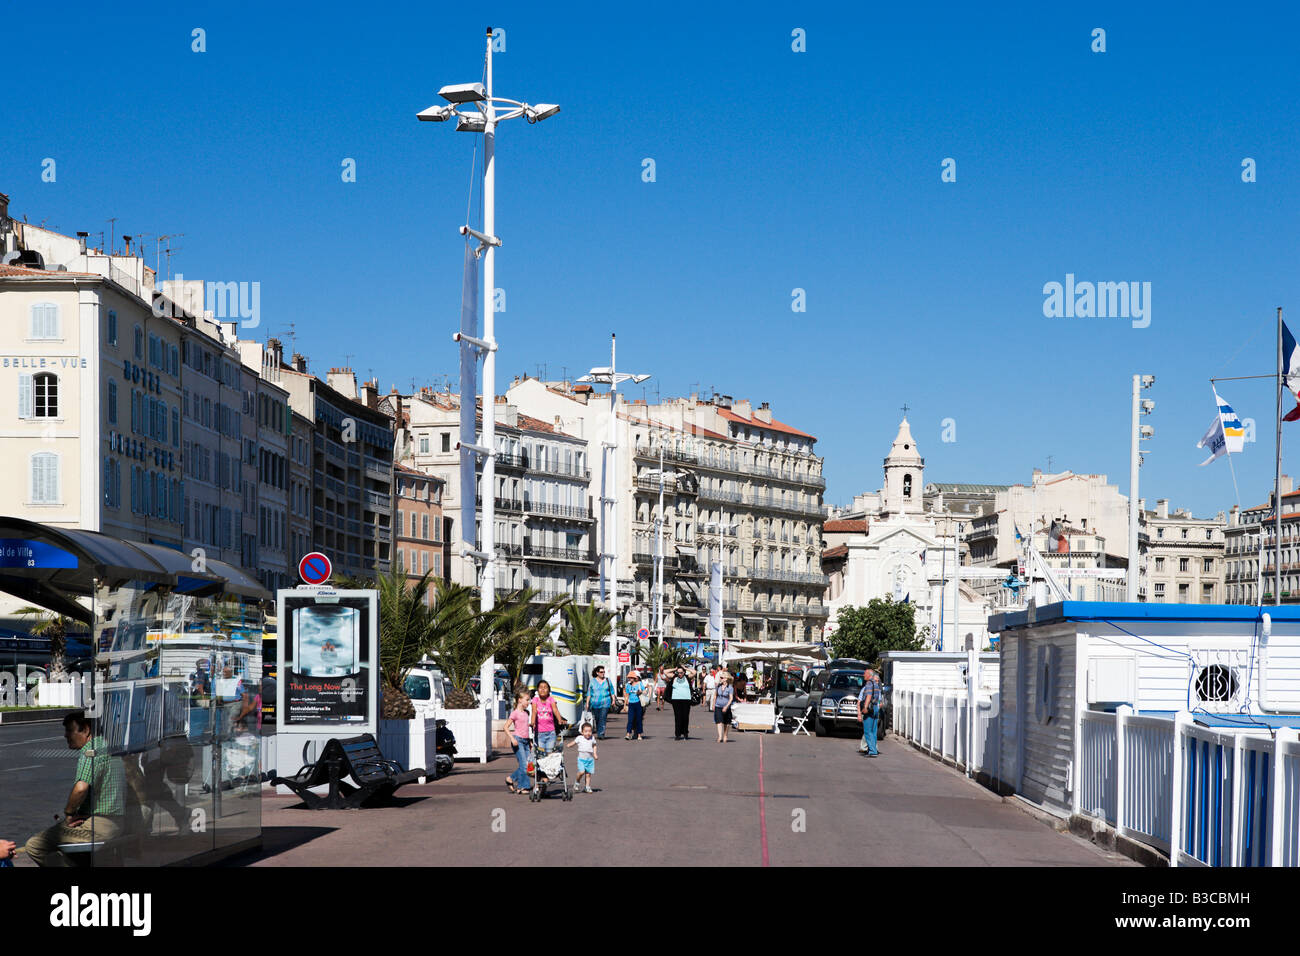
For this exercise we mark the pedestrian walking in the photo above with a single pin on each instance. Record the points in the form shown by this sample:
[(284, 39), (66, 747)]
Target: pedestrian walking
[(724, 697), (545, 718), (600, 697), (661, 684), (710, 689), (517, 727), (633, 692), (587, 756), (679, 695), (869, 712)]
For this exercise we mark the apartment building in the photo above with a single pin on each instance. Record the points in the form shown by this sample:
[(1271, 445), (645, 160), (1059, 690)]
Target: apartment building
[(351, 459), (418, 525), (1184, 557), (1250, 551), (741, 488)]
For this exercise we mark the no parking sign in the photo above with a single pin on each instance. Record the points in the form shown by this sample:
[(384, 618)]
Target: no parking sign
[(315, 568)]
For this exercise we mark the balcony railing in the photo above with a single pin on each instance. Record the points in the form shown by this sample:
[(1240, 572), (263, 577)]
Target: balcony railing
[(717, 494), (770, 503), (558, 511), (669, 454), (793, 577), (508, 460), (558, 554), (564, 471)]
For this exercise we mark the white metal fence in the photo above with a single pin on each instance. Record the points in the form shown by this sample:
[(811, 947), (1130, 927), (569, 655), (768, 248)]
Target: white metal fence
[(940, 722), (1228, 797), (1205, 796)]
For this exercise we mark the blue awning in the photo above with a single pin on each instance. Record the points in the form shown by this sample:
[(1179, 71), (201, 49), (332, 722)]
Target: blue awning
[(1135, 611)]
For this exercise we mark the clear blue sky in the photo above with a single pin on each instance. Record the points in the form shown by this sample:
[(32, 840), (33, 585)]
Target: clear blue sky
[(775, 170)]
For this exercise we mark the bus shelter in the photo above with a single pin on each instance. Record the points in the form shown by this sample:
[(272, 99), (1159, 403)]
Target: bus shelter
[(174, 689)]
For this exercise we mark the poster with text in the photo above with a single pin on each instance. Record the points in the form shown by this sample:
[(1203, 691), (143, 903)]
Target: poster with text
[(327, 660)]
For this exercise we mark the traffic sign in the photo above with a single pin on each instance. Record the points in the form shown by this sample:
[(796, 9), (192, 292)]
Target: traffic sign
[(315, 568), (624, 657), (642, 634)]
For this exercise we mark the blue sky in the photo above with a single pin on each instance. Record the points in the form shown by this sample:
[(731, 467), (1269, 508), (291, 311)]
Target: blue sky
[(775, 170)]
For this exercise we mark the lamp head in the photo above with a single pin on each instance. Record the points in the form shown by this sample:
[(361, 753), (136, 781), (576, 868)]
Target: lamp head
[(435, 114), (535, 114), (463, 93), (470, 123)]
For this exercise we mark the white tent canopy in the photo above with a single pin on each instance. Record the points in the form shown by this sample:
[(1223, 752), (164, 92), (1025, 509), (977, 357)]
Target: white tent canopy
[(798, 652)]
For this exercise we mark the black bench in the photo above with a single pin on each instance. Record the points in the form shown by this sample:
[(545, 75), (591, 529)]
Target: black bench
[(376, 776)]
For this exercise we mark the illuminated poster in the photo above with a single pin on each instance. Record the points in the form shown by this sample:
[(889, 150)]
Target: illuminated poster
[(327, 663)]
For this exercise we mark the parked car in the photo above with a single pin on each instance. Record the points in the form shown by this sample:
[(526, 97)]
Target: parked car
[(428, 690), (834, 697)]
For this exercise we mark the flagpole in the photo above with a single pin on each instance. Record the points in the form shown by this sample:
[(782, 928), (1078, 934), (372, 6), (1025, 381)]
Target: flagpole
[(1277, 476)]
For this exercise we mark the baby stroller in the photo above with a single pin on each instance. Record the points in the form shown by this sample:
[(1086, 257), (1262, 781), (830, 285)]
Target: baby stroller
[(548, 769)]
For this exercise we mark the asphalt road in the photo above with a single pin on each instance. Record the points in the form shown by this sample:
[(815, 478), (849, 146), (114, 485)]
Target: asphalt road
[(760, 799), (36, 775)]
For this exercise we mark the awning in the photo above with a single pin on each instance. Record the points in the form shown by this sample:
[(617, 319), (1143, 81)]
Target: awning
[(802, 648), (686, 549), (52, 567)]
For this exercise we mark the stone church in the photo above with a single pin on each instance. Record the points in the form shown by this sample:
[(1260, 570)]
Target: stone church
[(888, 544)]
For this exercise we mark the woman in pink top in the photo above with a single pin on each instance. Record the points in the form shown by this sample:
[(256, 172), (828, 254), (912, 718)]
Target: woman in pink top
[(547, 721), (517, 728)]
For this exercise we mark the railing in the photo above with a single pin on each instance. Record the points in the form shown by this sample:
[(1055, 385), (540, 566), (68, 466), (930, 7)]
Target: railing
[(940, 722), (559, 511), (563, 471), (793, 577), (1228, 797), (511, 461), (558, 554), (717, 494), (771, 503), (669, 454)]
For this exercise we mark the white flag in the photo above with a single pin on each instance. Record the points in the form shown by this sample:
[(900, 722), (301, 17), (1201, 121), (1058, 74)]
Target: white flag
[(1225, 434)]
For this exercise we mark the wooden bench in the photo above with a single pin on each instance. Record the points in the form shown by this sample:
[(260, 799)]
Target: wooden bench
[(375, 776)]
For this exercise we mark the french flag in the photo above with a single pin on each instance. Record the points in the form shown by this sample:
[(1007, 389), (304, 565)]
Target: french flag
[(1291, 371)]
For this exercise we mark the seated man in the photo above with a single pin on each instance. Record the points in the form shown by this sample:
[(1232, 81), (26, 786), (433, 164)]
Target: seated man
[(93, 812)]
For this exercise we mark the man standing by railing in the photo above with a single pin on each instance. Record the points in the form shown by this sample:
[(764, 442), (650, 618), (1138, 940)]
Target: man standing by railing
[(869, 712)]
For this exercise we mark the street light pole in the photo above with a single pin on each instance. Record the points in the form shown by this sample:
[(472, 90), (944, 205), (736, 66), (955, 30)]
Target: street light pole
[(490, 111)]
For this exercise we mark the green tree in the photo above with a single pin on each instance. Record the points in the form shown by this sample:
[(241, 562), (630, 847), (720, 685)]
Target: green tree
[(55, 627), (523, 628), (586, 627), (883, 625), (406, 636)]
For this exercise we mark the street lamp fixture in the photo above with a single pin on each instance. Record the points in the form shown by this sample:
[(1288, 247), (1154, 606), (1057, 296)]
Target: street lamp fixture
[(488, 112)]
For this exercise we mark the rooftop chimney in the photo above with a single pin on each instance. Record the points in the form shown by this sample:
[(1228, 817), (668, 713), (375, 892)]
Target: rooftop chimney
[(1162, 507), (1286, 486), (764, 413), (4, 206), (276, 349), (81, 238), (127, 240), (370, 393), (299, 362), (742, 408), (343, 381)]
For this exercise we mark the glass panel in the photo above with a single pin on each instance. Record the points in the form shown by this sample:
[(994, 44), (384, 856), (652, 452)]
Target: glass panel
[(178, 696)]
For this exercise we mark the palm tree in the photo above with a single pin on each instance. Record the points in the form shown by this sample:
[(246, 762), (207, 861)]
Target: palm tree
[(406, 635), (55, 627), (522, 629), (664, 655), (465, 638), (585, 627)]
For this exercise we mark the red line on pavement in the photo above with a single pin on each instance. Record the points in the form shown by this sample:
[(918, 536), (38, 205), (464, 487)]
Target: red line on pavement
[(762, 814)]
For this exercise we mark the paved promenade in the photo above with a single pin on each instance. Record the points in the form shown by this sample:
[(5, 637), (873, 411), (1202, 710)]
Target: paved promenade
[(762, 798)]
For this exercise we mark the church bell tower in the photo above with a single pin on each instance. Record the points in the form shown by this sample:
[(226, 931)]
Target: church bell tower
[(904, 474)]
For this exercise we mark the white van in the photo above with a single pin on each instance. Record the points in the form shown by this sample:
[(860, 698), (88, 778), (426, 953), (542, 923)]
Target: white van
[(428, 690)]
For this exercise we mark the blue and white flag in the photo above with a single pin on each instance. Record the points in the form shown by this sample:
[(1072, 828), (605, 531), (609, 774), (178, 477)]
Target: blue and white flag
[(1226, 435), (468, 400), (715, 602)]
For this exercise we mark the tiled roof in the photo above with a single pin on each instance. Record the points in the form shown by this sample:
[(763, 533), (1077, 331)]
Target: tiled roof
[(839, 551), (11, 270), (689, 428), (963, 488), (774, 425), (842, 525)]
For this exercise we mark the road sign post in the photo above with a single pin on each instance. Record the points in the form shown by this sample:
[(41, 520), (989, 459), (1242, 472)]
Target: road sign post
[(315, 568)]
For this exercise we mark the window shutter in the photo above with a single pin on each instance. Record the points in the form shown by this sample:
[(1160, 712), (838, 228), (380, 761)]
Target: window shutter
[(24, 396)]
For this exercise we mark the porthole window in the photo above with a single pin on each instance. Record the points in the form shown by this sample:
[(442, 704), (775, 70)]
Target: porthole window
[(1217, 682)]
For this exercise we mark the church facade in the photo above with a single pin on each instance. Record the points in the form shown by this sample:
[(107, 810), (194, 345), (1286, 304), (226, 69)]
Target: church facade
[(894, 547)]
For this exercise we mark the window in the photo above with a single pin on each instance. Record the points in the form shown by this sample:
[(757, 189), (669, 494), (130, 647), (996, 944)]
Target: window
[(1182, 593), (44, 321), (907, 486), (1160, 589), (1160, 564), (1182, 564), (1207, 565), (1217, 683), (1184, 534), (424, 525), (424, 444), (112, 327), (45, 478), (446, 441), (139, 343), (1160, 532), (1045, 674), (400, 522), (1209, 534)]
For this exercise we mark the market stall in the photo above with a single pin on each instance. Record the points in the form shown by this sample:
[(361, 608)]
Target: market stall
[(760, 713)]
